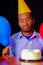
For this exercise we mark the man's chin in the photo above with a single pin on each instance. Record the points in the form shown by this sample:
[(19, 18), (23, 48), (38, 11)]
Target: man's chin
[(26, 30)]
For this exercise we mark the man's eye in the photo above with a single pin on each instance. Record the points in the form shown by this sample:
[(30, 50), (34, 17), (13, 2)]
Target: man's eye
[(28, 19), (20, 21)]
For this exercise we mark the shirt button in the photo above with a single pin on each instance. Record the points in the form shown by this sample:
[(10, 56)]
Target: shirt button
[(30, 42)]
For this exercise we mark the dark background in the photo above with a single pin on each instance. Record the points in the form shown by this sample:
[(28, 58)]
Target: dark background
[(9, 9)]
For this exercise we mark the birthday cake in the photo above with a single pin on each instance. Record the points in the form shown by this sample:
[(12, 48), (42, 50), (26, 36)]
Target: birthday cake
[(30, 54)]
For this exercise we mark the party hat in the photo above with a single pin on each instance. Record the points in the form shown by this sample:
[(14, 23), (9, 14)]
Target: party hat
[(22, 7)]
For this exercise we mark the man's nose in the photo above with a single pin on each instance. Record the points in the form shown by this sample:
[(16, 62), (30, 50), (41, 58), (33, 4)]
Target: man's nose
[(25, 23)]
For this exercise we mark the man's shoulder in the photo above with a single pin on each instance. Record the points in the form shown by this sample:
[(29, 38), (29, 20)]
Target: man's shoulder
[(37, 34), (39, 38), (15, 35)]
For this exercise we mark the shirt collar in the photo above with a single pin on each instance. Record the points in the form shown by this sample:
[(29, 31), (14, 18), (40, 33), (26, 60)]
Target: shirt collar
[(20, 35), (35, 34)]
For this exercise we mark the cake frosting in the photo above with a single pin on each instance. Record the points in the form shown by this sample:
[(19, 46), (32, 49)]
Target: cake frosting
[(31, 54)]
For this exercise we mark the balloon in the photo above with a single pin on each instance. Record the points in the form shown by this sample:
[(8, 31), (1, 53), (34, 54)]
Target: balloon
[(41, 30), (5, 31)]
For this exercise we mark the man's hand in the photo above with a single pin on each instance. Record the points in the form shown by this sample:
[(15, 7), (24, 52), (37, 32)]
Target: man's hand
[(5, 52)]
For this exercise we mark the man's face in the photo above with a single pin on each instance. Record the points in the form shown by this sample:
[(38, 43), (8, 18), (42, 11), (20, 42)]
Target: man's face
[(25, 22)]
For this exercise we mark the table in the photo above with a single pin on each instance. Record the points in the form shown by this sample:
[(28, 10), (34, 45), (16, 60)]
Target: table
[(9, 61), (16, 61)]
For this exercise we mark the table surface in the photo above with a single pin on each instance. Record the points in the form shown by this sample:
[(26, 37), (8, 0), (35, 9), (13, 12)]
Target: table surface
[(16, 61)]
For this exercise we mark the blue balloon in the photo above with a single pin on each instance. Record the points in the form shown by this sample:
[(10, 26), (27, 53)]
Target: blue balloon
[(5, 31)]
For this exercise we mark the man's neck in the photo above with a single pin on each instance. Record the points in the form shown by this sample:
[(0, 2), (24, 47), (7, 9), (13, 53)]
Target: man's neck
[(28, 33)]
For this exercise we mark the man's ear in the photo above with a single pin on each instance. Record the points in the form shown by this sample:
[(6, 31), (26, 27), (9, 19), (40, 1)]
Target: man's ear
[(33, 21), (18, 22)]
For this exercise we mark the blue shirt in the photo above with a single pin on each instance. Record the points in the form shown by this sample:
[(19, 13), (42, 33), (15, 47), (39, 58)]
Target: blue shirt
[(18, 42)]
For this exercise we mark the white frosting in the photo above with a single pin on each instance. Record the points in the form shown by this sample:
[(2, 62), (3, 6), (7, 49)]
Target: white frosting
[(30, 54)]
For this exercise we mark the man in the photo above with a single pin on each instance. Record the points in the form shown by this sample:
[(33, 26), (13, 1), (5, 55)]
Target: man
[(27, 38)]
